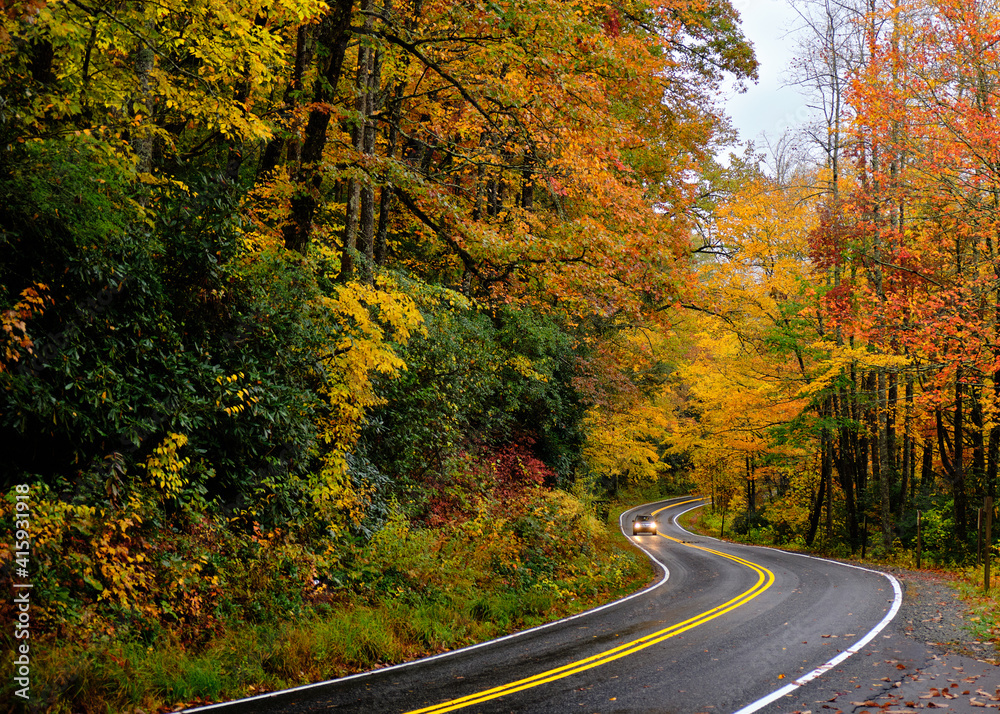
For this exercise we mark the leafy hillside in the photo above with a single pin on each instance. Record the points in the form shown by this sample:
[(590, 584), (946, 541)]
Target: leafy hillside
[(328, 329)]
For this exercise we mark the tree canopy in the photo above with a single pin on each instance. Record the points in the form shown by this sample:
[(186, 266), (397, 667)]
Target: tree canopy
[(277, 277)]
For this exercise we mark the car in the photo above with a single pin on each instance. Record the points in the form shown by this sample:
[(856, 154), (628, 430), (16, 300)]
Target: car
[(643, 524)]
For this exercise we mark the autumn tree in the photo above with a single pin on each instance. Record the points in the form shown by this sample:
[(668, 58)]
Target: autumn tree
[(900, 264), (752, 322)]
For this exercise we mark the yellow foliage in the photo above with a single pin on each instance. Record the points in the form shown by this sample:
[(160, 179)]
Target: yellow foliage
[(50, 521), (630, 420), (107, 562), (225, 41), (524, 367), (625, 443), (729, 399), (127, 577), (567, 511), (164, 465), (760, 250), (749, 353), (497, 547), (842, 357), (239, 398), (372, 321)]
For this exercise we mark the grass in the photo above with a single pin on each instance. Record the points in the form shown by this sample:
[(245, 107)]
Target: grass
[(692, 521), (985, 605)]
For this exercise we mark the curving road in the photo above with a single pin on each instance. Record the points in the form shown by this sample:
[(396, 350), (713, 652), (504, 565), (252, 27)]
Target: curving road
[(725, 629)]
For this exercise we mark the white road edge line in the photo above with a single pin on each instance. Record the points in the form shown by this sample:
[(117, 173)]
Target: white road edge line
[(450, 653), (897, 601)]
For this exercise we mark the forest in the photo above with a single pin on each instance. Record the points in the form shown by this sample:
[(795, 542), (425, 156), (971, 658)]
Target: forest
[(334, 333), (847, 359)]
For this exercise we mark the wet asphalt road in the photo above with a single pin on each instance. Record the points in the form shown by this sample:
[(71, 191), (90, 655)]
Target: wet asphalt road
[(724, 627)]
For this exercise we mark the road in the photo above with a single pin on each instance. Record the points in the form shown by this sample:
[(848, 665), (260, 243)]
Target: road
[(725, 629)]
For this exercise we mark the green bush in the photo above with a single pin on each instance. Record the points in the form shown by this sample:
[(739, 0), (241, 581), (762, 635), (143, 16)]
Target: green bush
[(151, 310), (476, 381)]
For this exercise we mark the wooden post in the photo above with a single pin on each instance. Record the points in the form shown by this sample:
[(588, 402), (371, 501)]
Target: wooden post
[(919, 541), (979, 536), (988, 507)]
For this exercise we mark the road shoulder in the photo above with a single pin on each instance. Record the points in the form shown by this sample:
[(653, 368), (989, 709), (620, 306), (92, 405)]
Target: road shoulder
[(959, 674)]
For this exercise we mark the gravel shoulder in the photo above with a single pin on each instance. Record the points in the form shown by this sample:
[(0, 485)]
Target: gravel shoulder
[(961, 673), (933, 613), (955, 672)]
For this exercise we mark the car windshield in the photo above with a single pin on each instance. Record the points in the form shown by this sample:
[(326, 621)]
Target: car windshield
[(644, 518)]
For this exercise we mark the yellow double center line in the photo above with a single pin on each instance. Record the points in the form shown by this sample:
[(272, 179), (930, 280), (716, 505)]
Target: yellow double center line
[(765, 578)]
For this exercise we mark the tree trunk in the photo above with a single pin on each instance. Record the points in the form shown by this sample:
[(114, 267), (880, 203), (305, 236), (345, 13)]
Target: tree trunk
[(909, 450), (885, 472), (828, 467), (334, 33), (953, 464), (844, 460), (352, 216), (892, 460), (978, 436), (821, 496), (366, 228), (927, 467), (279, 144), (993, 447)]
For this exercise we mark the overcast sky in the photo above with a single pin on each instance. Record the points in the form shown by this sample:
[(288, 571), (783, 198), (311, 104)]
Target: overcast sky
[(767, 106)]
